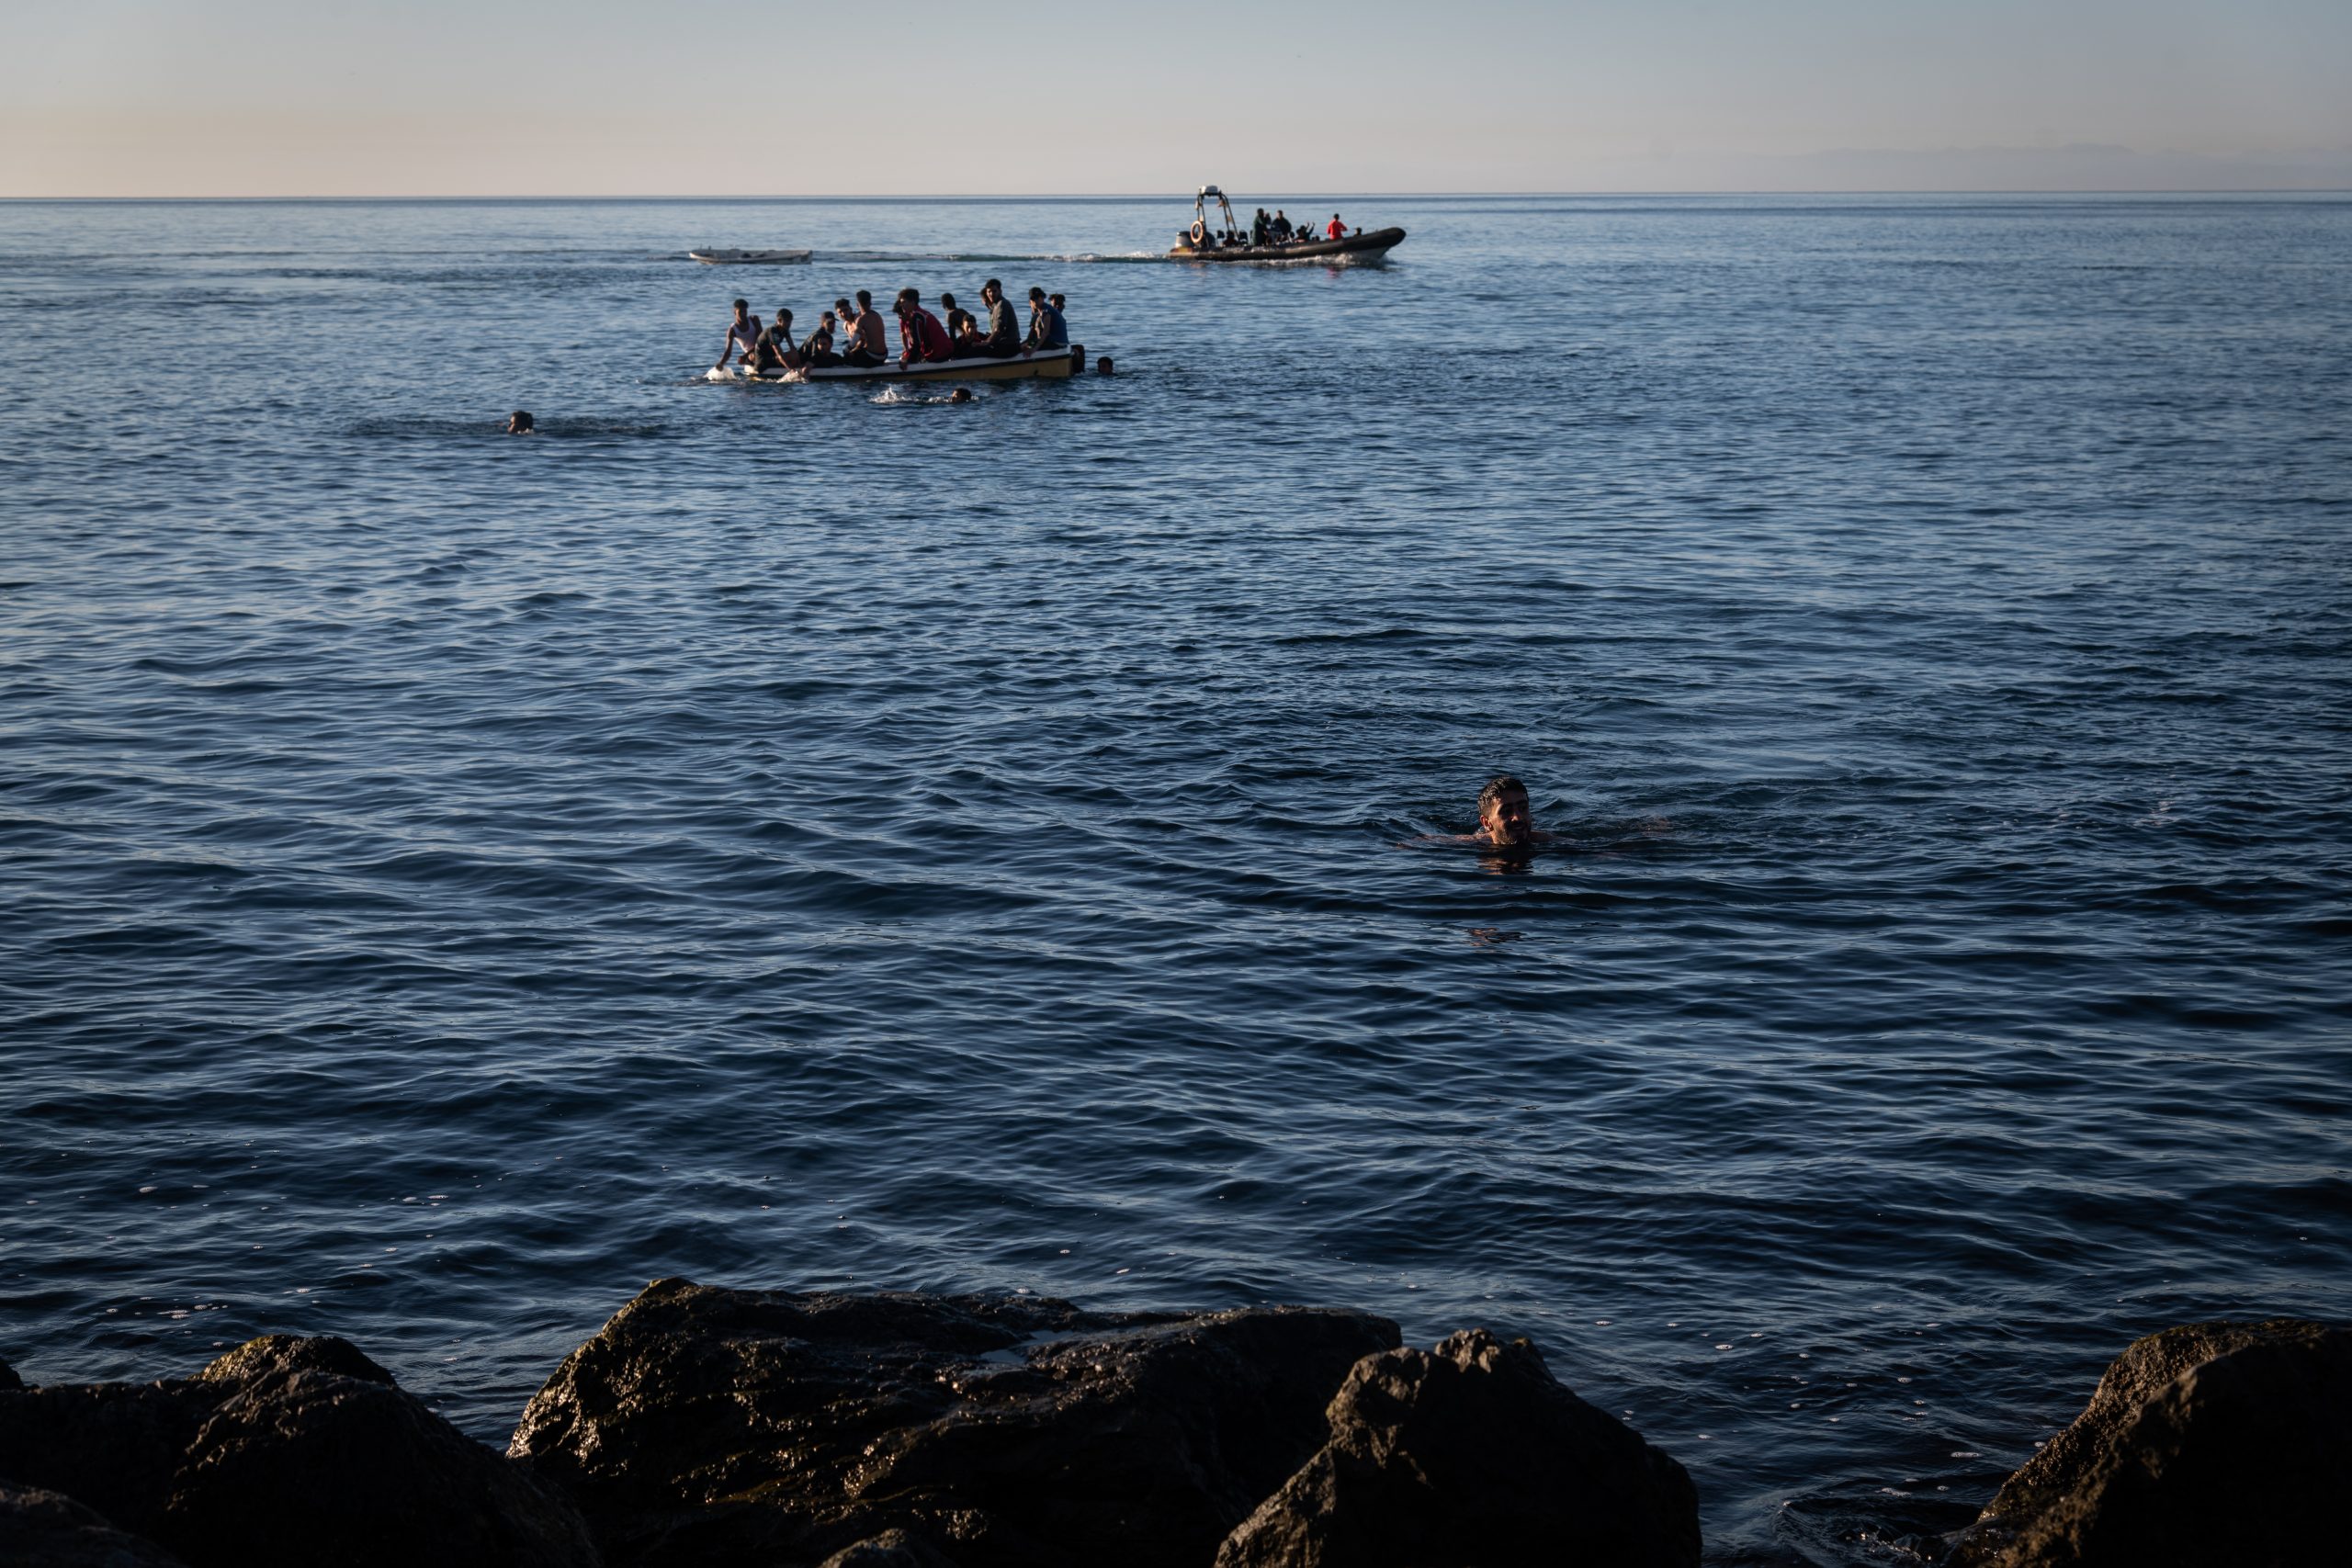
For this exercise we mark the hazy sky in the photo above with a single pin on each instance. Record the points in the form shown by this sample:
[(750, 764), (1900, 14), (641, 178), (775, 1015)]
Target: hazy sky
[(134, 98)]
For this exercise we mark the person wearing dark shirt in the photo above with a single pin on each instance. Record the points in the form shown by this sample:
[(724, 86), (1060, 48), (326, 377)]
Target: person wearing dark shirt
[(1002, 338), (1046, 329), (774, 349), (819, 348), (1282, 228), (920, 335), (1261, 226)]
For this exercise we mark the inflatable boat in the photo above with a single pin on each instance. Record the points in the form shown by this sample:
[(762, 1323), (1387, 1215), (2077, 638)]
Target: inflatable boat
[(1048, 364), (1220, 237)]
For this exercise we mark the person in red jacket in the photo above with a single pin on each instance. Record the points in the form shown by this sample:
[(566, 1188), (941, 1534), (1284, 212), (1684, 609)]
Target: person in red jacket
[(920, 335), (1335, 229)]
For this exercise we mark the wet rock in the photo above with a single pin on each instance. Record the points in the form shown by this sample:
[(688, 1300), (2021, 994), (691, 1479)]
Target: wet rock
[(891, 1549), (705, 1425), (2210, 1443), (116, 1446), (301, 1466), (49, 1529), (1471, 1455), (278, 1355)]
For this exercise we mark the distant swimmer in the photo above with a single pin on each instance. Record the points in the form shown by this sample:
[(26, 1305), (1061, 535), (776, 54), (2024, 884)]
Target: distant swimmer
[(1103, 365), (520, 423), (960, 395), (1505, 824), (742, 334)]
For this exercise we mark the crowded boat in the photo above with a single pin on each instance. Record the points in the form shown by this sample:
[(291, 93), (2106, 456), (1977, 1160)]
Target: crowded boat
[(849, 340), (1272, 237)]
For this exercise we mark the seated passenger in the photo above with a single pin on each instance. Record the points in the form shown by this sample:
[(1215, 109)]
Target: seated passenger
[(865, 346), (920, 335), (819, 348), (1003, 339), (1282, 228), (963, 331), (1045, 328), (775, 350)]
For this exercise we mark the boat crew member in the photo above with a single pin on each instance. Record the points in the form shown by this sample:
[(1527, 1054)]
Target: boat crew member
[(1045, 327), (1335, 229), (865, 345), (1260, 228), (743, 332), (1003, 339), (1281, 227), (920, 335)]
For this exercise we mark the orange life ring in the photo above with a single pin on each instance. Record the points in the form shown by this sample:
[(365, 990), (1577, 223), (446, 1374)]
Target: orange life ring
[(1200, 230)]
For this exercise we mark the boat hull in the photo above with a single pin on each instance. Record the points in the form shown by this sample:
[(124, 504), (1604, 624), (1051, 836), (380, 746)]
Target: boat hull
[(1356, 250), (1046, 366), (748, 258)]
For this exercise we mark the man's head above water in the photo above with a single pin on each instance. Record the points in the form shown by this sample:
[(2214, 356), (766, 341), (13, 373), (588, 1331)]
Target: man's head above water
[(1504, 819)]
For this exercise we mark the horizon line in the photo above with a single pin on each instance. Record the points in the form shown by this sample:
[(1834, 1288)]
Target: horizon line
[(1158, 196)]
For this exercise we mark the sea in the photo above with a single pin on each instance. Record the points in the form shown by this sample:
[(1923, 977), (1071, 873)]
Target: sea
[(820, 837)]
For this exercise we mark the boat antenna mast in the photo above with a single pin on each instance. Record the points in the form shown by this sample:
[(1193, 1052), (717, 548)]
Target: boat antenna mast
[(1201, 210)]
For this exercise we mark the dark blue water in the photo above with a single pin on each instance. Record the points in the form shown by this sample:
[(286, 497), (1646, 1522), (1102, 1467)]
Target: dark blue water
[(798, 835)]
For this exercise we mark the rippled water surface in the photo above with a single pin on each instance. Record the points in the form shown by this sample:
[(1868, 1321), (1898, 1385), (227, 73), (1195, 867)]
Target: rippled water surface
[(801, 836)]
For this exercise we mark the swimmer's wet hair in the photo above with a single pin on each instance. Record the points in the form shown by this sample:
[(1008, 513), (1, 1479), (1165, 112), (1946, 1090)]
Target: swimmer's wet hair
[(1497, 787)]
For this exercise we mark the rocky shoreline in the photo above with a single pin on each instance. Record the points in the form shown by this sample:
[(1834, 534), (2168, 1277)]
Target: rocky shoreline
[(711, 1427)]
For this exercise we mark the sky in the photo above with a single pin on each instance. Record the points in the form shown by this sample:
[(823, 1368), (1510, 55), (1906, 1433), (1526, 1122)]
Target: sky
[(729, 98)]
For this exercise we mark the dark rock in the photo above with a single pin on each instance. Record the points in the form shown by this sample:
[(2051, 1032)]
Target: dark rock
[(116, 1446), (1472, 1456), (706, 1425), (110, 1445), (10, 1381), (891, 1549), (299, 1467), (49, 1529), (277, 1355), (2211, 1443)]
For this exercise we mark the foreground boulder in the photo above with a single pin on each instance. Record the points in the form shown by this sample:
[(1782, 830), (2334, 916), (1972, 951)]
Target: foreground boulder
[(286, 1451), (1472, 1456), (714, 1425), (2211, 1443), (49, 1529), (113, 1447)]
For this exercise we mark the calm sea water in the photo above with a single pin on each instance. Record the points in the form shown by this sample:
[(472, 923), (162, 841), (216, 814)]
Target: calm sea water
[(804, 836)]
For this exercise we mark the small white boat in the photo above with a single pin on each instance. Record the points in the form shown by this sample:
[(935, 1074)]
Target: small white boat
[(748, 258)]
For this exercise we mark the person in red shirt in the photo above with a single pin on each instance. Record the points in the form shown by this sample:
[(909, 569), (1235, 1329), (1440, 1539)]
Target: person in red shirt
[(1335, 229), (920, 335)]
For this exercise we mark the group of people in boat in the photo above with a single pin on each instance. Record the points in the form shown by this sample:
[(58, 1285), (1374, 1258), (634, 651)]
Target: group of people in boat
[(851, 332), (1269, 230)]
